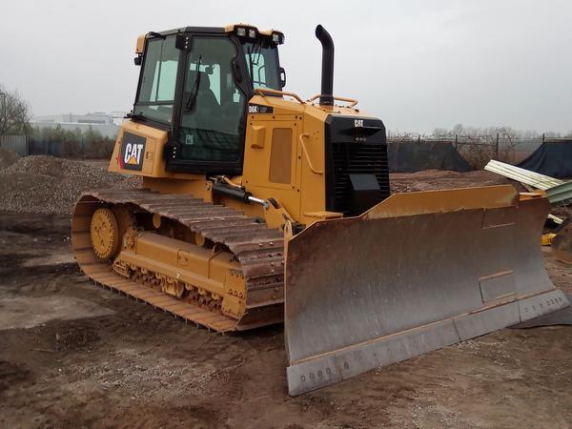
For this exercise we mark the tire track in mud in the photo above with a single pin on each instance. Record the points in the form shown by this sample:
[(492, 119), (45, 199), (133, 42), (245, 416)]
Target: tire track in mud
[(11, 375)]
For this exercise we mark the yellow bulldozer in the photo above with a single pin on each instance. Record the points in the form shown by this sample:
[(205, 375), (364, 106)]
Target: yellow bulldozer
[(258, 207)]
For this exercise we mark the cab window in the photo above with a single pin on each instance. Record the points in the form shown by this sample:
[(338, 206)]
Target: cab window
[(157, 88), (262, 64)]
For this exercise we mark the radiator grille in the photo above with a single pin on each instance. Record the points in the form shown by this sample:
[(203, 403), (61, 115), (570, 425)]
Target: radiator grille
[(355, 158)]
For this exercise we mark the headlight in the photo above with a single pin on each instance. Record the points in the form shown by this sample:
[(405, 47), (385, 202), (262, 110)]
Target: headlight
[(241, 31), (278, 38), (252, 33)]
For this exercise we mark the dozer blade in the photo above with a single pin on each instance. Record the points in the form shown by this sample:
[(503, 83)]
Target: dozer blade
[(562, 243), (417, 272)]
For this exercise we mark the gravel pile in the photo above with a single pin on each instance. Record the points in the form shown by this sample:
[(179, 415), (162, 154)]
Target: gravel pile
[(7, 158), (47, 185)]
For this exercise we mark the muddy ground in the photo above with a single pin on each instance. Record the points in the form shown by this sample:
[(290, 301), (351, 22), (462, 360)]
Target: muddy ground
[(74, 355)]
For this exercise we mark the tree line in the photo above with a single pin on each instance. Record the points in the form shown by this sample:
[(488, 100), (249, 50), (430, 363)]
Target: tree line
[(504, 132), (461, 131), (76, 143)]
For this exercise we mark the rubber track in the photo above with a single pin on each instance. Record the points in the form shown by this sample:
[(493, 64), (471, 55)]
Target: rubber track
[(259, 250)]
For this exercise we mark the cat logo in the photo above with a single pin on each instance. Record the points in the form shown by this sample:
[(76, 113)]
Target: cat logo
[(358, 123), (132, 152)]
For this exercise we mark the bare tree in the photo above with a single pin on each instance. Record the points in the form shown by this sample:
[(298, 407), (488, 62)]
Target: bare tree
[(14, 113), (507, 151)]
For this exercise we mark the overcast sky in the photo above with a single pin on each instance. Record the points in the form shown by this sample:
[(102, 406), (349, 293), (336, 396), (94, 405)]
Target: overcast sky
[(415, 64)]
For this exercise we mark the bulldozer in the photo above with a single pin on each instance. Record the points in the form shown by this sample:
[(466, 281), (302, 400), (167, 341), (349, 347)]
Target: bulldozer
[(258, 207)]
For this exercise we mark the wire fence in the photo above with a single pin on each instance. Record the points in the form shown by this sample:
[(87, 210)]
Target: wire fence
[(478, 150), (18, 144)]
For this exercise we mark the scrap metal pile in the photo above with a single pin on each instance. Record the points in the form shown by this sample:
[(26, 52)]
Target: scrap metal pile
[(559, 193)]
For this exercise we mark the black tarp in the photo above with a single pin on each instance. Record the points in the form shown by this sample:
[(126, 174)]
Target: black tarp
[(553, 158), (412, 156)]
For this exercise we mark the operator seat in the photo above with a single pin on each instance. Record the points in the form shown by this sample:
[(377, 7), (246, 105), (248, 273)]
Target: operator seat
[(206, 111), (205, 96)]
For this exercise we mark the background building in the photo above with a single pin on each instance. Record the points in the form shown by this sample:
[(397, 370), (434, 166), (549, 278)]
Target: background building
[(105, 123)]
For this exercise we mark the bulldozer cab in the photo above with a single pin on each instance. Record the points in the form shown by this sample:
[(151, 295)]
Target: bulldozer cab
[(196, 83)]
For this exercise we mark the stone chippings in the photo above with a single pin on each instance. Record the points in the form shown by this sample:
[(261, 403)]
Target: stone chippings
[(48, 185)]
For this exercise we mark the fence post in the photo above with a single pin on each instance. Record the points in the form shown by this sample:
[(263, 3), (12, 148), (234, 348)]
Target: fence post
[(456, 141), (497, 148)]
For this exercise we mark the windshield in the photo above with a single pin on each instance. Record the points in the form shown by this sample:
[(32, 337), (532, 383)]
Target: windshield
[(262, 64)]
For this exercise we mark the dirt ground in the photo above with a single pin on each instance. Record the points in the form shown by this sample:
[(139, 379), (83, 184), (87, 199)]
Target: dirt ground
[(74, 355)]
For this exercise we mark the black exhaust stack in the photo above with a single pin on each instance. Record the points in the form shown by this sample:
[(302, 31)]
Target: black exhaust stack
[(327, 94)]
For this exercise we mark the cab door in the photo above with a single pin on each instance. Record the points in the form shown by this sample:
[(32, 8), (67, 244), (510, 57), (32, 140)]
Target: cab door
[(210, 129)]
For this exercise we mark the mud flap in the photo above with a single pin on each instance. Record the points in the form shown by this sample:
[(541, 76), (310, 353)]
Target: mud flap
[(417, 272)]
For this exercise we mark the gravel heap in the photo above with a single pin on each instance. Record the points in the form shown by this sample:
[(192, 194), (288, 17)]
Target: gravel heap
[(7, 157), (47, 185)]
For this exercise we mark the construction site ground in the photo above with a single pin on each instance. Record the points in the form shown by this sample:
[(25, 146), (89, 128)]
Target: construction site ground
[(75, 355)]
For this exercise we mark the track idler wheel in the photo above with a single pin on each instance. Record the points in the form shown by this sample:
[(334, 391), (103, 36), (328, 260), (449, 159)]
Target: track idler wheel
[(104, 233)]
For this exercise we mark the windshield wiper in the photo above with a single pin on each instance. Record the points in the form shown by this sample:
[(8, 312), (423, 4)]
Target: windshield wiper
[(251, 53), (257, 50), (250, 70), (136, 116), (190, 105)]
